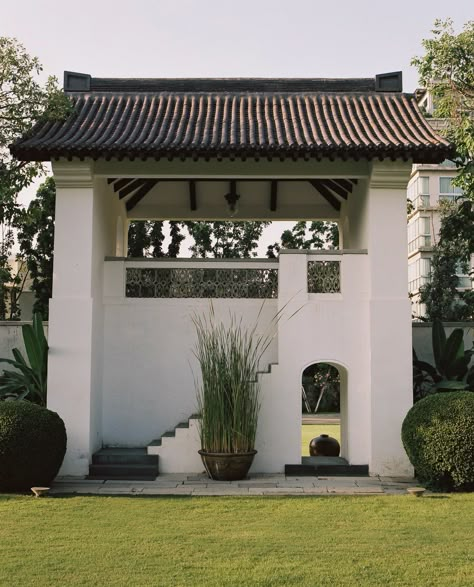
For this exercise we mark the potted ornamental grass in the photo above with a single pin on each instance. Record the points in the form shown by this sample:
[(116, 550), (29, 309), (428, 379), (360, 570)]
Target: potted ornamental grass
[(228, 393)]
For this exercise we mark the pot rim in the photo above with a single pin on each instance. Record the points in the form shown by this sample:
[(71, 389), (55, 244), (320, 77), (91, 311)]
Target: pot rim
[(227, 454)]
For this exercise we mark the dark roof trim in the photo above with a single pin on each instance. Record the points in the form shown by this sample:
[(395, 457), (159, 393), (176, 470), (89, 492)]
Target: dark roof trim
[(76, 82), (80, 82), (389, 82)]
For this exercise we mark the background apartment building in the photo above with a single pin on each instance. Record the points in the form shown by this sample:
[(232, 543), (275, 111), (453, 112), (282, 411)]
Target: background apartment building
[(428, 187)]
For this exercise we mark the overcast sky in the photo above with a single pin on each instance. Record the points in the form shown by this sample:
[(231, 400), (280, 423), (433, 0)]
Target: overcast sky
[(165, 38), (219, 38)]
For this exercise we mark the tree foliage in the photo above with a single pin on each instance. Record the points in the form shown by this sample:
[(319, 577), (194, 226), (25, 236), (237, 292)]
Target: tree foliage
[(146, 239), (23, 100), (317, 234), (225, 239), (447, 71), (36, 239), (451, 255)]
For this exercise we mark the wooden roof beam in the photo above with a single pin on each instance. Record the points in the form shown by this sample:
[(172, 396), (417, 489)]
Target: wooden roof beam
[(192, 195), (132, 186), (335, 187), (325, 193), (141, 193), (345, 184), (121, 183), (273, 195)]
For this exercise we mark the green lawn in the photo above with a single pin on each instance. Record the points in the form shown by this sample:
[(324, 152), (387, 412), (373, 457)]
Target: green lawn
[(309, 431), (221, 542)]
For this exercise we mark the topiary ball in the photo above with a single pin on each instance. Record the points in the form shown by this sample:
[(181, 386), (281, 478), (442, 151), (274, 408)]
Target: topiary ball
[(438, 436), (32, 445)]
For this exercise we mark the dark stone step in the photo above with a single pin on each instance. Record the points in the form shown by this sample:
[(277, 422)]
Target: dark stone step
[(119, 456), (323, 461), (122, 478), (123, 471), (326, 467)]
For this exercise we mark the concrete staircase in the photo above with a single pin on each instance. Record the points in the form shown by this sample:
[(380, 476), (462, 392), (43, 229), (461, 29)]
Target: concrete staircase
[(132, 464), (178, 448)]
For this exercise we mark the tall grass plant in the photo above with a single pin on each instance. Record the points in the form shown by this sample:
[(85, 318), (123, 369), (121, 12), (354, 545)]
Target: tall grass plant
[(228, 394)]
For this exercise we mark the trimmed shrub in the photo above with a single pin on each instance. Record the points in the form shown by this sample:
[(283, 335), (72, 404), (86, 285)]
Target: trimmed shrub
[(438, 436), (32, 445)]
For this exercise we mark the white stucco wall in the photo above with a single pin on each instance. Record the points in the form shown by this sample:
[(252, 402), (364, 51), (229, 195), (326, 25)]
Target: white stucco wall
[(149, 367), (10, 338), (330, 328), (148, 383)]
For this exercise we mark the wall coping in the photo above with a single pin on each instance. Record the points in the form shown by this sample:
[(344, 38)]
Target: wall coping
[(189, 260), (18, 322), (324, 252), (239, 260), (445, 324)]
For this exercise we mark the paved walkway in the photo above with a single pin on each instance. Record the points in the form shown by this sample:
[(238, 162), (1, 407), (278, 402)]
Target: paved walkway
[(182, 484), (322, 418)]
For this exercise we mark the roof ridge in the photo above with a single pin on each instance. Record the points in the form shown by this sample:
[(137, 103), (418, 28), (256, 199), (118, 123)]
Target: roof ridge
[(79, 82)]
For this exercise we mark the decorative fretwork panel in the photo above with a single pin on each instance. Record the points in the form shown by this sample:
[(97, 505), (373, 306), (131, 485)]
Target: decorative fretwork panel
[(201, 283), (324, 276)]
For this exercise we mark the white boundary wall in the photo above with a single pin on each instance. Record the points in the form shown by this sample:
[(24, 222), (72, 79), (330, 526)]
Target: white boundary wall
[(11, 337)]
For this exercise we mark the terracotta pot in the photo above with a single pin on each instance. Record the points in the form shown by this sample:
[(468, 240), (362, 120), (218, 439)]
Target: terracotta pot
[(227, 466), (324, 446)]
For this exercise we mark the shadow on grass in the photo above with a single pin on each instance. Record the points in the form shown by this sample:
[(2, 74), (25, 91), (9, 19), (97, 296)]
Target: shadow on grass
[(131, 495), (7, 495), (187, 497)]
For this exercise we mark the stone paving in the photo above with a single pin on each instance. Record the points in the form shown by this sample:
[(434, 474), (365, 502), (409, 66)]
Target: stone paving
[(183, 484)]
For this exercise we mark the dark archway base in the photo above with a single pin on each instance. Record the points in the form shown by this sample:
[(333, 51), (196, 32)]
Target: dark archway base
[(327, 467)]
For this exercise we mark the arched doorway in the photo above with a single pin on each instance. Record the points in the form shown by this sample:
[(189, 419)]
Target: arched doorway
[(324, 404)]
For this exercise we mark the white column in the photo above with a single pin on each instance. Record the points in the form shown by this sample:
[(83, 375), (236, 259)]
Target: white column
[(75, 316), (390, 320), (281, 406)]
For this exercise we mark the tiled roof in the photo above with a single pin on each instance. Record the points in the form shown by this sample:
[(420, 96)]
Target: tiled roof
[(345, 118)]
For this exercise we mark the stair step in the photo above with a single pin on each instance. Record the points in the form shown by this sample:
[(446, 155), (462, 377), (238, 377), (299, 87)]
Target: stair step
[(119, 456), (326, 467), (123, 471), (121, 478), (172, 433)]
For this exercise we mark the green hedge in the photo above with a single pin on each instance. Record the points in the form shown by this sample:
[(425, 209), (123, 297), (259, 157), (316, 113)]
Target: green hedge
[(438, 436), (32, 445)]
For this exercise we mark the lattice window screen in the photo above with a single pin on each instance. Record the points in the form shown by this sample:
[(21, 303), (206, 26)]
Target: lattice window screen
[(324, 276), (201, 283)]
